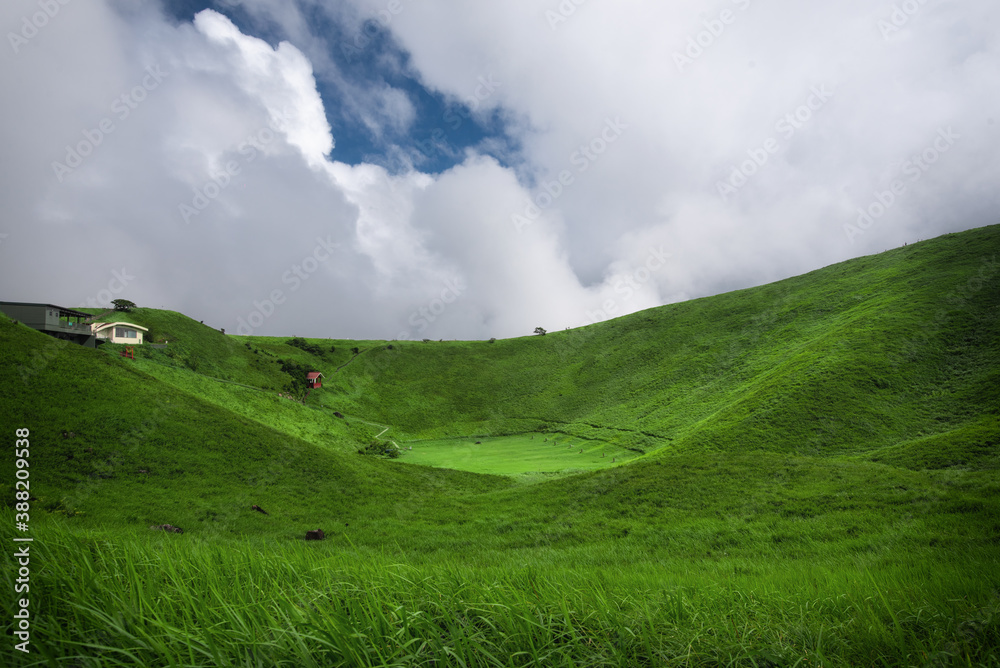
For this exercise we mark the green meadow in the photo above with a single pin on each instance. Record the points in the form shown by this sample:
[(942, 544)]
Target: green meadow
[(515, 455), (804, 473)]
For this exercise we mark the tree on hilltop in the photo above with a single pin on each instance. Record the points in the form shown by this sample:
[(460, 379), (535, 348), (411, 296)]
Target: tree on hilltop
[(123, 305)]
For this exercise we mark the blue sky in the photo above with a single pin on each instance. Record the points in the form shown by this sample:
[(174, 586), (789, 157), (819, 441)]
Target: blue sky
[(408, 169), (441, 131)]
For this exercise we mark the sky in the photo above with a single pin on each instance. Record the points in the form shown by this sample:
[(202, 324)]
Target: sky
[(410, 169)]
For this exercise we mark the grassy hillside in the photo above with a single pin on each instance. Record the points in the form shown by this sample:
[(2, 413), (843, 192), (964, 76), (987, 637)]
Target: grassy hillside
[(865, 354), (120, 446), (801, 473), (861, 355)]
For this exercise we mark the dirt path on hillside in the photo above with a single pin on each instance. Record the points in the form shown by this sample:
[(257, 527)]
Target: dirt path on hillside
[(351, 360)]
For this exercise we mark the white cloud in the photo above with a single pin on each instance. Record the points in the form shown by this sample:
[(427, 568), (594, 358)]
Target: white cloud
[(280, 79), (599, 101), (688, 126)]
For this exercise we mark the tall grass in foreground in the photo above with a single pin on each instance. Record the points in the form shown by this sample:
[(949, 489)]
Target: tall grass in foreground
[(175, 601)]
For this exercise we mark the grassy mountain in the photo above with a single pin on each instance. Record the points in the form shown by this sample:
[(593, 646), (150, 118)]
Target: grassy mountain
[(820, 444), (864, 354)]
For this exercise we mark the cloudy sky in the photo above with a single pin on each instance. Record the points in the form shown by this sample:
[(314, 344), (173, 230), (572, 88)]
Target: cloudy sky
[(406, 169)]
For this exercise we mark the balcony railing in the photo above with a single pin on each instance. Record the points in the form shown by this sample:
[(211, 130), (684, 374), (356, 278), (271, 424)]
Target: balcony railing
[(66, 326)]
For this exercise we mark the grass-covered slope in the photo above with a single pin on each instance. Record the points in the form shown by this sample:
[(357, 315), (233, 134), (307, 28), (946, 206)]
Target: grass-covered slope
[(894, 357), (121, 446), (819, 485), (134, 599), (868, 353), (865, 354)]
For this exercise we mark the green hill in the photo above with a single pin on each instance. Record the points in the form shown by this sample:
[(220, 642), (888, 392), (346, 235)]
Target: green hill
[(868, 353), (818, 445)]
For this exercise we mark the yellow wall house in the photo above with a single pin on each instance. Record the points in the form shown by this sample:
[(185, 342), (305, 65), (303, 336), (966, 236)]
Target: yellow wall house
[(119, 332)]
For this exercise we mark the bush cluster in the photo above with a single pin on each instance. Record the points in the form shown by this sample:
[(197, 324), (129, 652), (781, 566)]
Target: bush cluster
[(297, 372), (380, 449), (302, 344)]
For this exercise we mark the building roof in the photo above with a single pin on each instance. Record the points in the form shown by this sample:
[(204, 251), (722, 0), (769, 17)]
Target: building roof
[(98, 326), (312, 375), (63, 311)]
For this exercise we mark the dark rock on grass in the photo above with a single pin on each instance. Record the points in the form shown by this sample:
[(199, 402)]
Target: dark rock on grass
[(166, 527)]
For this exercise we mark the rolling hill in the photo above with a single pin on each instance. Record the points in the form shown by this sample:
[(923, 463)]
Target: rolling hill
[(841, 422)]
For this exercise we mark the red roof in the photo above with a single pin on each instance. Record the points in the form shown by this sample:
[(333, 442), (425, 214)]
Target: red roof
[(313, 375)]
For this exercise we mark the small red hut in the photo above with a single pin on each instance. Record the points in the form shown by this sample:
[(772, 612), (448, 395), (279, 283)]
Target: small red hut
[(312, 380)]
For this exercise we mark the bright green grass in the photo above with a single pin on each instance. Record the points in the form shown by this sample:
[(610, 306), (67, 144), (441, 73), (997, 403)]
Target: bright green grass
[(165, 600), (518, 454), (872, 353), (309, 422), (819, 486)]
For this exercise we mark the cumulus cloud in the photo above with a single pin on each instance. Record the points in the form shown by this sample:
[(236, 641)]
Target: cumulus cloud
[(664, 153), (174, 166), (703, 87), (280, 79)]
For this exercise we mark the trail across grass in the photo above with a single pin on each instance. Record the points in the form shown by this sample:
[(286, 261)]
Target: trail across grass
[(514, 455)]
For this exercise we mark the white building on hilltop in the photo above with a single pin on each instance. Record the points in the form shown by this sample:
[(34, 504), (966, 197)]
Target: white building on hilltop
[(119, 332)]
